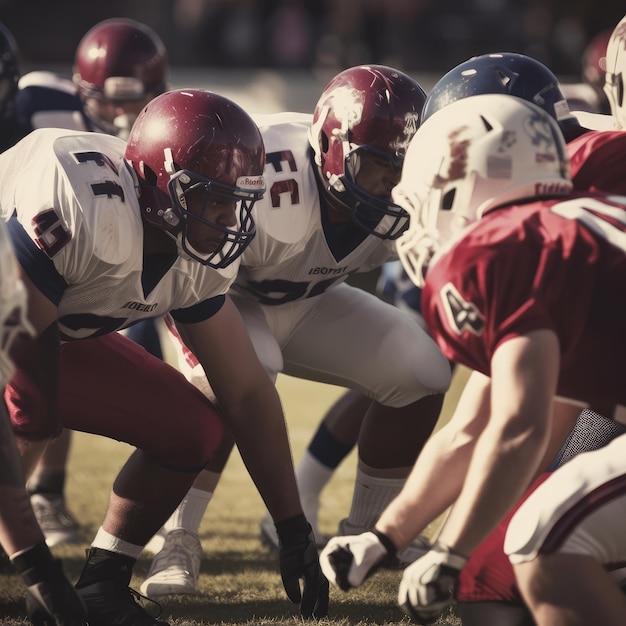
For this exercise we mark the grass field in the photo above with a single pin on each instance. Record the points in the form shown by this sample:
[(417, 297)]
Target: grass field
[(240, 581)]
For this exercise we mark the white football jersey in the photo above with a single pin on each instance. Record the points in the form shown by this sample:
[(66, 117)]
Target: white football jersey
[(69, 195), (295, 254)]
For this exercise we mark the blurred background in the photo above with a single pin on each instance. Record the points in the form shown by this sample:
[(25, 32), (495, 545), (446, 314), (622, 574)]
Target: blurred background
[(278, 46)]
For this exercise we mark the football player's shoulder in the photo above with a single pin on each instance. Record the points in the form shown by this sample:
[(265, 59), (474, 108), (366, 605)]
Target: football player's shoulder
[(285, 215), (486, 241), (92, 194), (47, 80), (284, 130), (45, 100)]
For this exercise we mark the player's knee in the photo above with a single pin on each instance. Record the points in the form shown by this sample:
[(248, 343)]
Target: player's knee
[(195, 445), (419, 367), (30, 414)]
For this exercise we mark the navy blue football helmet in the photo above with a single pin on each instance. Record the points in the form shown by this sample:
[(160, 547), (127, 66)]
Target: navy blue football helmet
[(506, 73)]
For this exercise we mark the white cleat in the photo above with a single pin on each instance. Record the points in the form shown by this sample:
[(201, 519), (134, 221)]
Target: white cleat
[(176, 567), (57, 524), (269, 538), (409, 554)]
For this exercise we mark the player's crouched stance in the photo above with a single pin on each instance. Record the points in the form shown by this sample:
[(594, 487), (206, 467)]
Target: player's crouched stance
[(115, 232), (520, 289)]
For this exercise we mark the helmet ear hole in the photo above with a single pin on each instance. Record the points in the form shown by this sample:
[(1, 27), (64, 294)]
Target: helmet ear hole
[(149, 175), (448, 200), (324, 143), (620, 90)]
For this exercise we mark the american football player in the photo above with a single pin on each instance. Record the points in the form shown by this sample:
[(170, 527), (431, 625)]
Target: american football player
[(115, 232), (119, 66), (487, 593), (327, 214), (50, 597), (504, 250)]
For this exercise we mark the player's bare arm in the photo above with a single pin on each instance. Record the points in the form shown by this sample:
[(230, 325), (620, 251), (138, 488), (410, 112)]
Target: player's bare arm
[(249, 404), (523, 383), (437, 477), (37, 365)]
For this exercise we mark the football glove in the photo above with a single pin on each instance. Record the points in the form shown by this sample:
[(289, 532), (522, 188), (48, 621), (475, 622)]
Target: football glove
[(427, 586), (299, 560), (347, 561)]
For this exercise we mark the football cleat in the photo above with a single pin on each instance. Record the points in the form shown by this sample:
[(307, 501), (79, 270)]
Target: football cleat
[(56, 522), (403, 558), (104, 587), (176, 567)]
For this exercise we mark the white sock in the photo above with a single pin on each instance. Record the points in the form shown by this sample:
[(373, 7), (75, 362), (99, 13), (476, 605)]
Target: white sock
[(371, 496), (107, 541), (190, 511), (311, 476)]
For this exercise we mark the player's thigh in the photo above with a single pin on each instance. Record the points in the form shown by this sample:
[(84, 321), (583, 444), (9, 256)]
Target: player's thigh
[(262, 335), (579, 509), (353, 339), (111, 386)]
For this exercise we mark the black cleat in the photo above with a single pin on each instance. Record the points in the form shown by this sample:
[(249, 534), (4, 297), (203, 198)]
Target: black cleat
[(103, 586)]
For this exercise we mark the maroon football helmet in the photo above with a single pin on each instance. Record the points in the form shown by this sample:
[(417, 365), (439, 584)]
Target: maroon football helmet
[(188, 140), (119, 61), (594, 60), (365, 109)]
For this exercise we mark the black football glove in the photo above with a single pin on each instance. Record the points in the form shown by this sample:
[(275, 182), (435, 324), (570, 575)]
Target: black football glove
[(51, 600), (299, 560)]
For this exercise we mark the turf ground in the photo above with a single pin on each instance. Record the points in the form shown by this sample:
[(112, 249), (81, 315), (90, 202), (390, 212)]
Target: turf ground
[(239, 582)]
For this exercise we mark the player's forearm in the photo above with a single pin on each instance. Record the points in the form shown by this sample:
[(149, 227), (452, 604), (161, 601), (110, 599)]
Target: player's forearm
[(501, 469), (261, 437), (433, 485)]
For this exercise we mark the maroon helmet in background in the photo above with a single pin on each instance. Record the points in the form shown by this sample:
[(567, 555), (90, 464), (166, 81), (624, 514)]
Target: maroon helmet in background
[(594, 60), (123, 64), (373, 109), (191, 140)]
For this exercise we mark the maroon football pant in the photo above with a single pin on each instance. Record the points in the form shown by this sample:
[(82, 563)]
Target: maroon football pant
[(112, 387)]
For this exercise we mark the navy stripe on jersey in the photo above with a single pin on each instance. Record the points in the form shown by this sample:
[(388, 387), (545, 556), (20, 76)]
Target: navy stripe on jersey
[(36, 263), (199, 312)]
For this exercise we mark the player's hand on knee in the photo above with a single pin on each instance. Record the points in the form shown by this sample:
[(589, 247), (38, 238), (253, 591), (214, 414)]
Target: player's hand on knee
[(427, 585), (299, 561), (347, 561)]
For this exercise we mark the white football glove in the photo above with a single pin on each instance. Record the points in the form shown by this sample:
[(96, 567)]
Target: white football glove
[(428, 584), (347, 561)]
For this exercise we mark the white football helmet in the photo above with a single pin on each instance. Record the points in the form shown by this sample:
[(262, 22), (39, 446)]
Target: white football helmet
[(472, 155), (13, 304), (615, 77)]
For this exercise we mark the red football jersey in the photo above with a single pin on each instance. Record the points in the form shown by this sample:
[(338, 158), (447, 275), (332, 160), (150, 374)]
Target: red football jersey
[(555, 264), (597, 161)]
